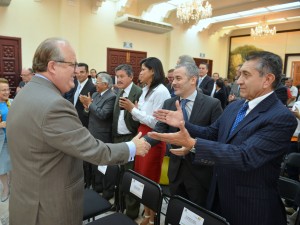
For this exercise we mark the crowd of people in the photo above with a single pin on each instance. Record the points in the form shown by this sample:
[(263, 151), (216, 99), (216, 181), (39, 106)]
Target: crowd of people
[(227, 139)]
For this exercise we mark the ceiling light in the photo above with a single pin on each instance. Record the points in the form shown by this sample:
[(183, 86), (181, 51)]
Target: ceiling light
[(194, 10), (262, 30)]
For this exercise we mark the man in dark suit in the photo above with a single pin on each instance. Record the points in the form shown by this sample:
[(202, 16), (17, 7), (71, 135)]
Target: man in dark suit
[(170, 77), (124, 127), (205, 82), (100, 108), (246, 145), (220, 92), (84, 86), (186, 179)]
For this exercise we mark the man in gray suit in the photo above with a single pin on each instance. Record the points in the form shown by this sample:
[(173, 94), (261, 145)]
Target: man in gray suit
[(124, 127), (47, 175), (99, 108), (235, 88), (186, 179)]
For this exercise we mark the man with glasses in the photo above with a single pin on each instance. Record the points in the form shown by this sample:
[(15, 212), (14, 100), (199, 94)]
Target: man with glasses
[(47, 177), (26, 76)]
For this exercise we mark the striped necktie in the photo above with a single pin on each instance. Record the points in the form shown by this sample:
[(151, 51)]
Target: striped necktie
[(240, 116), (184, 112)]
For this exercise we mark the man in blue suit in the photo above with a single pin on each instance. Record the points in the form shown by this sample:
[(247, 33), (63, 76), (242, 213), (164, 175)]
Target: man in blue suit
[(246, 145)]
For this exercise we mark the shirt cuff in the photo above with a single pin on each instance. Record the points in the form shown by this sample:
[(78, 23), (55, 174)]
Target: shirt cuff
[(132, 150)]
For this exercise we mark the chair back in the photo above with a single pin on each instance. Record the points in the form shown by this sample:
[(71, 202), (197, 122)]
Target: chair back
[(293, 159), (289, 189), (93, 203), (112, 176), (181, 210), (144, 190)]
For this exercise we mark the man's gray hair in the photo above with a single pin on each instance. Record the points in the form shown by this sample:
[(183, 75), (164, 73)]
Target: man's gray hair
[(185, 59), (190, 68), (106, 78)]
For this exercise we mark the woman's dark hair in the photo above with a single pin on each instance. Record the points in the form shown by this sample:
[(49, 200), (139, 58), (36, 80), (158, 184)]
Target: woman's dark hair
[(154, 64), (220, 83)]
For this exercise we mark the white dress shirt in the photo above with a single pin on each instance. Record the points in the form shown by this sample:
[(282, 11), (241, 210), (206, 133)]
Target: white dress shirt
[(122, 128), (146, 106)]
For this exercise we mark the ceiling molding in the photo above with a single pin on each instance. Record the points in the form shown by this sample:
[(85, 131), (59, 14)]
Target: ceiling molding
[(5, 2), (96, 4)]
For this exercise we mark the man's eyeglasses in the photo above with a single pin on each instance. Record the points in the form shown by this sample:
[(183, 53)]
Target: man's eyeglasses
[(74, 65)]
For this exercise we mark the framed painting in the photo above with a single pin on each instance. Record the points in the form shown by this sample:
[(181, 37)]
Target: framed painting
[(284, 43)]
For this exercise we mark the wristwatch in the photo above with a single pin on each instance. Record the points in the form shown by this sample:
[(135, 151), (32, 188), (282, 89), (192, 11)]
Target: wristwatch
[(193, 149)]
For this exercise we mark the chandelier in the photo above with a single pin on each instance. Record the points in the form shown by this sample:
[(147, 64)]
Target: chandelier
[(262, 30), (193, 10)]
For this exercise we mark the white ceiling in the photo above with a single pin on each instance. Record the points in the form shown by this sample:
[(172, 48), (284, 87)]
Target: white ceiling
[(165, 11)]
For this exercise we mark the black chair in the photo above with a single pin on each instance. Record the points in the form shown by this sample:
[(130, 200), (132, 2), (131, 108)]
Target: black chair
[(146, 191), (290, 190), (181, 209), (94, 204), (292, 160)]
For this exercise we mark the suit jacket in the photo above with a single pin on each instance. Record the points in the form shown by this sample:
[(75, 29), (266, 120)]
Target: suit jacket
[(247, 162), (205, 111), (221, 95), (89, 87), (101, 115), (131, 124), (235, 89), (207, 85), (47, 175), (170, 89)]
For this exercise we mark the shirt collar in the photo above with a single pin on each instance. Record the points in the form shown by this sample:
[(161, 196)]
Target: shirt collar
[(83, 83), (254, 102), (127, 90), (192, 97)]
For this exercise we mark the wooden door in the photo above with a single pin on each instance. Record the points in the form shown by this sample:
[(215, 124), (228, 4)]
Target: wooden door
[(116, 57), (208, 61), (295, 72), (10, 61)]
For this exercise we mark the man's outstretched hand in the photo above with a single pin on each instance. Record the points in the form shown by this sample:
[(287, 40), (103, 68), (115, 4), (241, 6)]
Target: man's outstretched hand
[(142, 146)]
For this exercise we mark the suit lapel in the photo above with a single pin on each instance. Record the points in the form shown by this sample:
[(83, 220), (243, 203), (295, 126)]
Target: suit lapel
[(253, 114), (131, 97), (116, 113), (97, 98), (196, 110)]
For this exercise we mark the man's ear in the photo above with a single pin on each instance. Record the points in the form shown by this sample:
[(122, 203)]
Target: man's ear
[(270, 78), (51, 66)]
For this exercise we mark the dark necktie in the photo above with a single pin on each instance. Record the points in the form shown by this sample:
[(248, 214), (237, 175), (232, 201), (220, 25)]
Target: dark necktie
[(121, 95), (122, 92), (240, 116), (184, 112)]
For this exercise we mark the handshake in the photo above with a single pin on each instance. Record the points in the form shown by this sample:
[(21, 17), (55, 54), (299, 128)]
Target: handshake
[(141, 145)]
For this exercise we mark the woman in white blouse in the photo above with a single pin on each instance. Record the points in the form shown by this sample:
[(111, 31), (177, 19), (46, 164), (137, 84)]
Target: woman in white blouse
[(153, 96)]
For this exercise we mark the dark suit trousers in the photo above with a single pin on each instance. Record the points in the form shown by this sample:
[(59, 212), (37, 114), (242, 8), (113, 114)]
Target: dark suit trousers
[(188, 188), (132, 206)]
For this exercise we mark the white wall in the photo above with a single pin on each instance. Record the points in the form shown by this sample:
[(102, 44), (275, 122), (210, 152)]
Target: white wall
[(92, 33)]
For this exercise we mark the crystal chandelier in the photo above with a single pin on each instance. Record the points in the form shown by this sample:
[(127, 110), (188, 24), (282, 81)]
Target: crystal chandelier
[(193, 10), (262, 30)]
